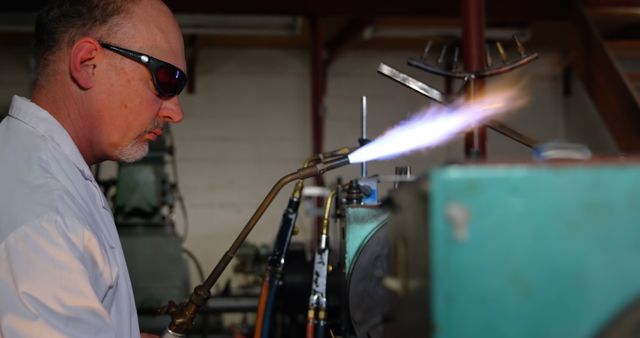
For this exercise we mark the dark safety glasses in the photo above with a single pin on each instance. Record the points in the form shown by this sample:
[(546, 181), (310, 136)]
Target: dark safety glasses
[(168, 79)]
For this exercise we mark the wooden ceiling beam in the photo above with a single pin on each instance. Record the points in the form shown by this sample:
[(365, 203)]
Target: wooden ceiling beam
[(609, 88), (498, 11)]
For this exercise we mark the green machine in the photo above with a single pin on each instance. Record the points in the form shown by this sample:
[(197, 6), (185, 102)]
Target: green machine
[(365, 253), (517, 250)]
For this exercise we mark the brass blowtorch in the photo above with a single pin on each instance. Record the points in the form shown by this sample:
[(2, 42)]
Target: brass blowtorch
[(183, 314)]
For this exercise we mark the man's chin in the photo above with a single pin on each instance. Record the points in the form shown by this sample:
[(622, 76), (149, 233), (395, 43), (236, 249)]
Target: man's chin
[(133, 152)]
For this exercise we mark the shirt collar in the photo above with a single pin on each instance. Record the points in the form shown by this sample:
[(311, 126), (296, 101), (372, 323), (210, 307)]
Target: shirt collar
[(40, 120)]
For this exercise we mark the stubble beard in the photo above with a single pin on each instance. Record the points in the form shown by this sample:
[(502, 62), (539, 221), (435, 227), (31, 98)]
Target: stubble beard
[(139, 147), (136, 150)]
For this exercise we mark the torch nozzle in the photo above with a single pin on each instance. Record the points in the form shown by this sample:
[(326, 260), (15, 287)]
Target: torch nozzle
[(331, 155), (322, 167), (333, 163), (328, 155)]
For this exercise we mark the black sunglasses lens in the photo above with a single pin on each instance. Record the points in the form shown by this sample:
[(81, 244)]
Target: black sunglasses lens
[(169, 80)]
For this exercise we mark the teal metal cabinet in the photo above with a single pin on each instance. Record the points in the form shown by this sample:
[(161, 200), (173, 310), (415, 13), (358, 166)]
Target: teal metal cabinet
[(532, 251)]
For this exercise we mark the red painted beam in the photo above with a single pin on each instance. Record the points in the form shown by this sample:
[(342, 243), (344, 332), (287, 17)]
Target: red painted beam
[(318, 87), (611, 92)]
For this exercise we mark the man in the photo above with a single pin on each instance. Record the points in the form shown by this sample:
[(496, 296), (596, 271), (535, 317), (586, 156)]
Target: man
[(109, 72)]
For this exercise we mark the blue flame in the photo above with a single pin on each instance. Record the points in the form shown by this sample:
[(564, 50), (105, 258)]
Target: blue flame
[(434, 126)]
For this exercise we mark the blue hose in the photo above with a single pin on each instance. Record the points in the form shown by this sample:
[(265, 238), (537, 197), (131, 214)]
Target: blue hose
[(268, 308), (320, 329)]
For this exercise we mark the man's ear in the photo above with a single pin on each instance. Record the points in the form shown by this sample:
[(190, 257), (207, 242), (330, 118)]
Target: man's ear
[(83, 62)]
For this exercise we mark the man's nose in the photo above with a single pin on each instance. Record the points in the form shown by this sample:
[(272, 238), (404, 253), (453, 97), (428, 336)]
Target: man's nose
[(171, 110)]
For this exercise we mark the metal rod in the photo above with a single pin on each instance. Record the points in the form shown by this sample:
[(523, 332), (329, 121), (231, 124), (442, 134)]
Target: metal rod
[(456, 58), (511, 133), (489, 58), (412, 83), (363, 131), (425, 53), (519, 46), (443, 53), (501, 52)]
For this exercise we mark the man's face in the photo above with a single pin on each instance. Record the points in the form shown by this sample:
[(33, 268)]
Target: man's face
[(132, 114)]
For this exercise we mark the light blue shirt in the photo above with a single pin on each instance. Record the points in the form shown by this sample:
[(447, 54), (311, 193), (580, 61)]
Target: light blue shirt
[(62, 270)]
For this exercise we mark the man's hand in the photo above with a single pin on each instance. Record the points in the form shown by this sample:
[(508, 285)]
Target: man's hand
[(148, 335)]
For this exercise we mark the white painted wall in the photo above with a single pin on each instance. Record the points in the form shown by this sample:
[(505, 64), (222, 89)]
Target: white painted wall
[(245, 127), (248, 124)]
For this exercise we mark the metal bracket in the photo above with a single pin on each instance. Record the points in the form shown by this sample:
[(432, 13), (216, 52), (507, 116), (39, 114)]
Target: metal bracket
[(508, 65)]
